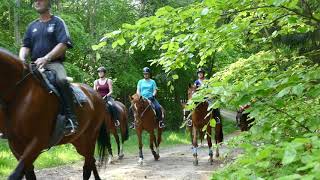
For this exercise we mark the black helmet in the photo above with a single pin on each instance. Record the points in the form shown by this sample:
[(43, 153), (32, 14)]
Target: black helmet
[(102, 69), (146, 70), (201, 70)]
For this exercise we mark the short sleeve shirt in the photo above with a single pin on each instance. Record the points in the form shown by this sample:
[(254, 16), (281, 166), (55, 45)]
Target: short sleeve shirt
[(42, 37), (198, 83), (147, 87)]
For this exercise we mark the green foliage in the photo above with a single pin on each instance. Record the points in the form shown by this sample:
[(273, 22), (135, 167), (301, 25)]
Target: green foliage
[(266, 54)]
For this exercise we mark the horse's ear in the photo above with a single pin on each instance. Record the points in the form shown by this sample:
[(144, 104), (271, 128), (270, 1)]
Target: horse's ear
[(130, 97)]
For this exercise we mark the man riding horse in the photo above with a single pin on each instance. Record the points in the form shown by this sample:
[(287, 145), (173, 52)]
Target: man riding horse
[(46, 41)]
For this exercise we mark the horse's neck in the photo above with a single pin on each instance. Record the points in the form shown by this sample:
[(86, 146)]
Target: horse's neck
[(11, 69)]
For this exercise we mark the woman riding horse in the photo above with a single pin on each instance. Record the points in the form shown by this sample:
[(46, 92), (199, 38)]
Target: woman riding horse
[(147, 88), (103, 86), (201, 118)]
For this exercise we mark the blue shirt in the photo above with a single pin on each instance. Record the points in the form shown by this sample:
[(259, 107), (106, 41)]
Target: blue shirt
[(42, 37), (146, 87)]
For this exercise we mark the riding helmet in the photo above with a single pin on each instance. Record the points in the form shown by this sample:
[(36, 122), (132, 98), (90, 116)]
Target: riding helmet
[(102, 69), (201, 70), (146, 70)]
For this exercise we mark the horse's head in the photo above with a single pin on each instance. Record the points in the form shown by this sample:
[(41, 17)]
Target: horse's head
[(139, 104), (191, 90)]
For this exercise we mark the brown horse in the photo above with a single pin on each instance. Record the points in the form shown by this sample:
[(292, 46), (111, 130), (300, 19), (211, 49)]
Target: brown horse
[(200, 119), (244, 122), (29, 116), (145, 119), (123, 118), (188, 122)]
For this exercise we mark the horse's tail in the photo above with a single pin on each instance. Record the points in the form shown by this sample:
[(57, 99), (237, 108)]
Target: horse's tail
[(103, 142)]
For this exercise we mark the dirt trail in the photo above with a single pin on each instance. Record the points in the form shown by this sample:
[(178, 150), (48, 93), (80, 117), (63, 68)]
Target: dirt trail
[(174, 163)]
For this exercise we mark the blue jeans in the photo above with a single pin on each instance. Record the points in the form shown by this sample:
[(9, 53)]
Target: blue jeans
[(157, 107)]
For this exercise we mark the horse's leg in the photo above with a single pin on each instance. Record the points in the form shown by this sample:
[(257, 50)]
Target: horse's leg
[(124, 133), (29, 173), (195, 146), (158, 141), (139, 133), (87, 150), (218, 135), (116, 136), (30, 153), (209, 133), (153, 141)]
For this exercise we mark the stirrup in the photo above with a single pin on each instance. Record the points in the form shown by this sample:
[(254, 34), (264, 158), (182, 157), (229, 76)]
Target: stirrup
[(132, 125), (161, 124), (3, 136), (70, 128), (189, 123), (117, 123)]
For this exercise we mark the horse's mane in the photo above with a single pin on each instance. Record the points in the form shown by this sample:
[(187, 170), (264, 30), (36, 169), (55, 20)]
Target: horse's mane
[(10, 60)]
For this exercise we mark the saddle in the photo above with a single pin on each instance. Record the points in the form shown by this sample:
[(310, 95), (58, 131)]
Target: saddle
[(47, 79)]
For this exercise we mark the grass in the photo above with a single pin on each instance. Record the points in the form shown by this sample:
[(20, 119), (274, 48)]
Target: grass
[(66, 154)]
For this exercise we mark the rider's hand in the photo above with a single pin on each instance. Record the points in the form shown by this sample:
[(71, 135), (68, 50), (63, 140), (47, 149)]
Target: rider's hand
[(41, 62)]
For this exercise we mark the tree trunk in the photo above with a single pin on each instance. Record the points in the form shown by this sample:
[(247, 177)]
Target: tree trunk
[(17, 23)]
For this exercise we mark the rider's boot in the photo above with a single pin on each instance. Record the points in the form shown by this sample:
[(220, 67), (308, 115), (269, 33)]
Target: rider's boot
[(160, 119), (67, 98)]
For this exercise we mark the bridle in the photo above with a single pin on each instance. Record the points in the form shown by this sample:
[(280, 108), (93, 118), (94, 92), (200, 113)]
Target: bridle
[(145, 109)]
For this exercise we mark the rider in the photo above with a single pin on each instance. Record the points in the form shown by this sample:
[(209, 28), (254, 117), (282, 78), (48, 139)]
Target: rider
[(103, 86), (147, 88), (46, 41), (201, 77)]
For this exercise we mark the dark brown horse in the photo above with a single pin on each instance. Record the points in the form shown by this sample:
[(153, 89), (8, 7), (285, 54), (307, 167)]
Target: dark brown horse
[(145, 119), (29, 114), (243, 120), (124, 130), (200, 119)]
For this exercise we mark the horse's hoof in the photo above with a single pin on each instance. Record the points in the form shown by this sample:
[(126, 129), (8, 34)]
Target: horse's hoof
[(217, 155), (120, 157), (195, 162), (109, 160), (140, 161), (210, 161), (156, 157)]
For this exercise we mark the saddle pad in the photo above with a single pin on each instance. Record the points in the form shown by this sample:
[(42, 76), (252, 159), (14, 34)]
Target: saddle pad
[(79, 94)]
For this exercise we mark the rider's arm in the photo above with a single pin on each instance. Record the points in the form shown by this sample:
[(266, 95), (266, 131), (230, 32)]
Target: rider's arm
[(109, 81), (138, 89), (24, 52), (26, 45), (154, 89), (58, 51), (95, 85)]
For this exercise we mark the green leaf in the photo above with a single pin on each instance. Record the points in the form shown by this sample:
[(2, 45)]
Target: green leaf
[(213, 122), (289, 155), (298, 89), (175, 77), (205, 11), (204, 128), (284, 92)]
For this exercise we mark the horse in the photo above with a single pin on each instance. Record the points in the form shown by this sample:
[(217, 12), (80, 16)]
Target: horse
[(29, 117), (188, 123), (243, 120), (124, 129), (200, 119), (145, 119)]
